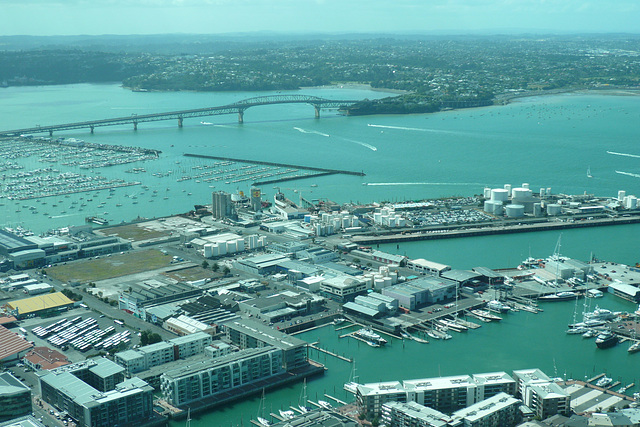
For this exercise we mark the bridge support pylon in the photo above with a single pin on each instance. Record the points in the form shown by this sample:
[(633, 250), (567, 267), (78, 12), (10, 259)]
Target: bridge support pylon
[(315, 107), (180, 122), (50, 132), (91, 127), (135, 125), (240, 116)]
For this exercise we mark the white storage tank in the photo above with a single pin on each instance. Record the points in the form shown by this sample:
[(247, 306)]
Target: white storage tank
[(537, 209), (402, 222), (394, 277), (632, 202), (231, 246), (542, 192), (508, 188), (378, 284), (621, 195), (515, 211), (548, 191), (215, 250), (388, 281), (525, 185), (487, 193), (240, 245), (521, 194), (383, 270), (488, 206), (208, 250), (498, 208), (499, 195), (554, 209)]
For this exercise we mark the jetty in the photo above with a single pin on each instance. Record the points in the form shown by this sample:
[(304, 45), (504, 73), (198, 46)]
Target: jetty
[(322, 350)]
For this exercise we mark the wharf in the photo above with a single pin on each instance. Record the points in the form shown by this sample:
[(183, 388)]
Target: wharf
[(486, 230)]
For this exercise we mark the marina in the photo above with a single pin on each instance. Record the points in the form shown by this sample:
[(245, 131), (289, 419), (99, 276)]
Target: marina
[(391, 177)]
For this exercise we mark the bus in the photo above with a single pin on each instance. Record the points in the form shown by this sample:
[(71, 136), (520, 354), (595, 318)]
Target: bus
[(118, 322), (24, 331)]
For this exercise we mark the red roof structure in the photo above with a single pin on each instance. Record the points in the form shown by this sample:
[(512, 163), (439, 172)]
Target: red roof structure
[(11, 344), (7, 319), (45, 358)]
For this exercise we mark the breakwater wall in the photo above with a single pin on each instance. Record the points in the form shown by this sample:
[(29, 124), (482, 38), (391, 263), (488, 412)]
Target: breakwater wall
[(261, 162)]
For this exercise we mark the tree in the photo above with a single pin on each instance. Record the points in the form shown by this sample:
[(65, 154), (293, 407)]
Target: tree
[(215, 267), (225, 270), (144, 337), (205, 264), (154, 338)]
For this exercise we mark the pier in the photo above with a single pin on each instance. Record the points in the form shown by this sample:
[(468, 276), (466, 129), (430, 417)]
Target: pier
[(313, 346)]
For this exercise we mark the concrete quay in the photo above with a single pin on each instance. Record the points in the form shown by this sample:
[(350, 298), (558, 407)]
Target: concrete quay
[(521, 227)]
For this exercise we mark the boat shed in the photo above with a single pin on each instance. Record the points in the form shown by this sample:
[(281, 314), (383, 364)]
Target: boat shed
[(489, 276), (625, 291), (461, 277)]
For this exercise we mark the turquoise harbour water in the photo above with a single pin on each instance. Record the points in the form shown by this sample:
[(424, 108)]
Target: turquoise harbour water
[(545, 141)]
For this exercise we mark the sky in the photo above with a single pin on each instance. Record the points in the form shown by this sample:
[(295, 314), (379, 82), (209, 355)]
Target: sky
[(96, 17)]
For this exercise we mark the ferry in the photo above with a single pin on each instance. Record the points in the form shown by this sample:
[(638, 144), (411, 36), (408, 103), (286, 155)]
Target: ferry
[(96, 220), (371, 337), (595, 293)]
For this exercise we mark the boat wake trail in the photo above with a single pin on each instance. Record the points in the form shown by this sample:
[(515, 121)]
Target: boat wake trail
[(206, 123), (635, 175), (410, 129), (314, 132), (422, 183), (624, 155), (364, 144)]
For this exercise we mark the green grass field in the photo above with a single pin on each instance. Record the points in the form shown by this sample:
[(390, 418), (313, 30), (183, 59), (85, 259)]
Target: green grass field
[(93, 270), (133, 232)]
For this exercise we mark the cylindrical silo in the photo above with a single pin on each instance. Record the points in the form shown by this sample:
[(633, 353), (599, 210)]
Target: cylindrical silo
[(378, 284), (240, 245), (388, 281), (508, 188), (487, 193), (525, 185)]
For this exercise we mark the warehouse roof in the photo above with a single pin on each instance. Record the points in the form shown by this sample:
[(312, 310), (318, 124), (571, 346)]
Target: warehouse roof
[(40, 302), (11, 343)]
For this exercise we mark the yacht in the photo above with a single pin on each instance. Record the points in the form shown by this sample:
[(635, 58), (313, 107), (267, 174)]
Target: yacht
[(606, 340), (370, 336)]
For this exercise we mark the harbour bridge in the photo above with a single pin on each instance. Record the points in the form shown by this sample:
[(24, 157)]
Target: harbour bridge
[(235, 108)]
